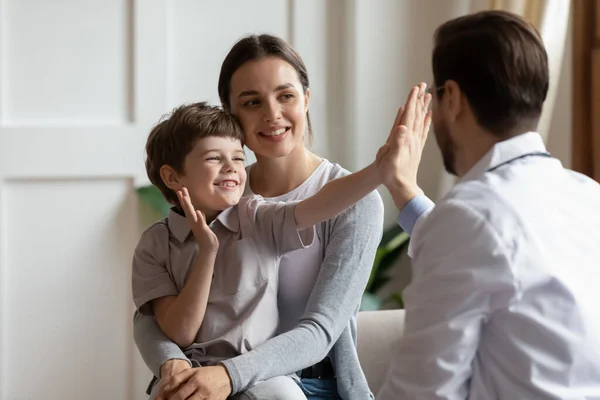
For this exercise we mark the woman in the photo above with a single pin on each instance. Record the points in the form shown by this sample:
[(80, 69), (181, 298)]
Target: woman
[(265, 83)]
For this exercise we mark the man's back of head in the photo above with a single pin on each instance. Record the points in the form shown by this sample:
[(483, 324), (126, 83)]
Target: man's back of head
[(499, 62), (491, 80)]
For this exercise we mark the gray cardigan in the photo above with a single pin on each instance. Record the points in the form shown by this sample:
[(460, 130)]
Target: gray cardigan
[(328, 326)]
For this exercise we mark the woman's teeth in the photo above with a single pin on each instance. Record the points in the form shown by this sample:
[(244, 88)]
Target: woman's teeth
[(275, 133)]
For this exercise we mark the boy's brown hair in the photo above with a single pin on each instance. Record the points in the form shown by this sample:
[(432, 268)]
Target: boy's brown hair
[(174, 137)]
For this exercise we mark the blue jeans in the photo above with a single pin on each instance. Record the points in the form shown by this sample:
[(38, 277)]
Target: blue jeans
[(318, 389)]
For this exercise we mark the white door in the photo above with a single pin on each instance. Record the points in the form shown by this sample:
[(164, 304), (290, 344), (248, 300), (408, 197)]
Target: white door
[(81, 83)]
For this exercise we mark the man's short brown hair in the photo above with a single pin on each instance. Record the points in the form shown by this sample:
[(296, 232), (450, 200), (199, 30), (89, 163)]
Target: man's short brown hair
[(500, 63), (174, 137)]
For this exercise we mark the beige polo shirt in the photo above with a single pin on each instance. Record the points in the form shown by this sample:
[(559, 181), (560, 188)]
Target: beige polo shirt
[(242, 305)]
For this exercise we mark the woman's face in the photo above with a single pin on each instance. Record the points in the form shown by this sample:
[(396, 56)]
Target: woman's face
[(268, 99)]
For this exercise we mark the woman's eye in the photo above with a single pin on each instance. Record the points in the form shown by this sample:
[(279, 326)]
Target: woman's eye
[(287, 96), (252, 102)]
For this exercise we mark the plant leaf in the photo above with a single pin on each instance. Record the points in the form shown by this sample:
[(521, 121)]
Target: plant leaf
[(397, 298), (370, 302), (392, 243), (154, 198)]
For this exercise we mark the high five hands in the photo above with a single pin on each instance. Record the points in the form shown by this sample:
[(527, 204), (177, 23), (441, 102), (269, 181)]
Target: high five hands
[(398, 159)]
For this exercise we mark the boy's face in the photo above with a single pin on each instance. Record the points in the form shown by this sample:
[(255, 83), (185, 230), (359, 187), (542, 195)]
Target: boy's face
[(214, 174)]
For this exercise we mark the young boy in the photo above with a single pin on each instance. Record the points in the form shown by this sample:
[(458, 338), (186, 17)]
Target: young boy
[(214, 293)]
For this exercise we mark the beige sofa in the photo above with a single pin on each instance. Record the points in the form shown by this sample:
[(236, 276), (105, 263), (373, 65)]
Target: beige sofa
[(377, 333)]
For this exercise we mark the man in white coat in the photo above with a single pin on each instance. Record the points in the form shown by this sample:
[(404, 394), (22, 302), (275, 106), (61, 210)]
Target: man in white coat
[(504, 301)]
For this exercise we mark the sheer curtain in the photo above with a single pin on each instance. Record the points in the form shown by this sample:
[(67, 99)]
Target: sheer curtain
[(551, 18)]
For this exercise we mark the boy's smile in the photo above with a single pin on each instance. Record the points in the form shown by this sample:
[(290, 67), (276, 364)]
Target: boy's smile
[(214, 174)]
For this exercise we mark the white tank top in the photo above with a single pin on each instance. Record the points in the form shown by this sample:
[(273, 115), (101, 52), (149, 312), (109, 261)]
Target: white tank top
[(299, 269)]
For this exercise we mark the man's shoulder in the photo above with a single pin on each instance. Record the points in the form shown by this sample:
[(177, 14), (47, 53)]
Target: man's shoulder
[(475, 201), (479, 196)]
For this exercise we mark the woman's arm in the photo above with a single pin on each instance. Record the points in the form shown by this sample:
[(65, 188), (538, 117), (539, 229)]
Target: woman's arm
[(355, 235), (156, 348)]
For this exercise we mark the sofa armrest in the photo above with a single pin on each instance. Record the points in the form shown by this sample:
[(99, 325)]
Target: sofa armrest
[(378, 331)]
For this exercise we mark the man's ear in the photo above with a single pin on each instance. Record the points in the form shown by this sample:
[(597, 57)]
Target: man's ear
[(170, 177), (453, 100)]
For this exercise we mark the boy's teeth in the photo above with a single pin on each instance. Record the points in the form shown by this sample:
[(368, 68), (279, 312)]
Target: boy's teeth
[(275, 133), (228, 184)]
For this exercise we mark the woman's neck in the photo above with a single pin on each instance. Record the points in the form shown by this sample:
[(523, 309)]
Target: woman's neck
[(271, 177)]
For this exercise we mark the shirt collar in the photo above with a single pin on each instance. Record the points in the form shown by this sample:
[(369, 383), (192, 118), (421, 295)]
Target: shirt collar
[(530, 142), (180, 228)]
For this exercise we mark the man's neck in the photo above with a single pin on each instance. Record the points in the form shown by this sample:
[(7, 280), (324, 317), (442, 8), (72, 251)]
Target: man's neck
[(477, 145), (472, 149)]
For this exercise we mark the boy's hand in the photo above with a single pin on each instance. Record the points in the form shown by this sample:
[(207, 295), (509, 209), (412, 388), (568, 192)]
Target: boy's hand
[(398, 159), (206, 238)]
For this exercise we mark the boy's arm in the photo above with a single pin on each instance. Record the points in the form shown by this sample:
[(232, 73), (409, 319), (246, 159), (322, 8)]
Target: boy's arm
[(181, 316), (336, 196), (155, 293), (397, 159)]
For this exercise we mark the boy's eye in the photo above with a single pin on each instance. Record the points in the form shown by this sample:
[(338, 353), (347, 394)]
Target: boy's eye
[(212, 158), (241, 159)]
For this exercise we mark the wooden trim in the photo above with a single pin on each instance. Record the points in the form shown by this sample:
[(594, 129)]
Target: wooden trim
[(595, 95), (583, 41), (597, 22), (595, 107)]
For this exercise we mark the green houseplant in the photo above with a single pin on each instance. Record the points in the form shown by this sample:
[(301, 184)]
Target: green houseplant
[(392, 246)]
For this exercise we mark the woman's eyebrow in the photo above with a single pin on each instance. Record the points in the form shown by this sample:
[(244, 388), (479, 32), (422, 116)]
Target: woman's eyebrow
[(255, 93)]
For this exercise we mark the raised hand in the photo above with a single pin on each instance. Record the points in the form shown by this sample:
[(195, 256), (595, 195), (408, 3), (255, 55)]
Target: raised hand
[(398, 159), (206, 238)]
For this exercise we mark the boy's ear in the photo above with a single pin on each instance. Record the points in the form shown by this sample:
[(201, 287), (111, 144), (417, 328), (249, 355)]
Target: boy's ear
[(170, 177)]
